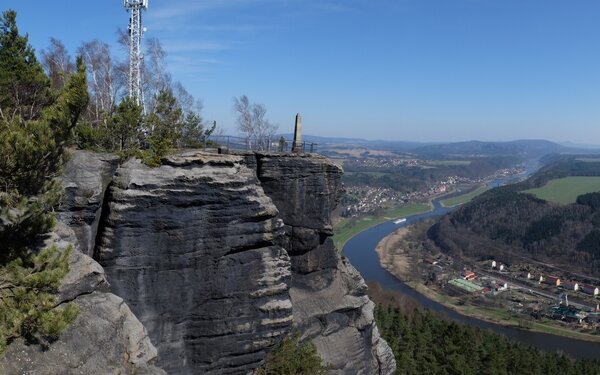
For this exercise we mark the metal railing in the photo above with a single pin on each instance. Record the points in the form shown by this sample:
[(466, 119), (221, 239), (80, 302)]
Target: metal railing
[(227, 142)]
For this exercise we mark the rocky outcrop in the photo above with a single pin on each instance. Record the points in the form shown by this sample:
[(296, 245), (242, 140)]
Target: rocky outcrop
[(328, 295), (191, 246), (105, 338), (85, 178), (218, 256)]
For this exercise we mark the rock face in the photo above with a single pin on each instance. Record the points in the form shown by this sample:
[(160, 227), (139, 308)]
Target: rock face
[(106, 337), (191, 246), (218, 256), (85, 178), (328, 295)]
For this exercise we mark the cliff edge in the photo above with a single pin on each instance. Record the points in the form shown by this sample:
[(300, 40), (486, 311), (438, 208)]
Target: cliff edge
[(218, 256)]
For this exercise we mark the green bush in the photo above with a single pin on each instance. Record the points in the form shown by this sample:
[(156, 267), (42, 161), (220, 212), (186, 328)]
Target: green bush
[(292, 356), (28, 294)]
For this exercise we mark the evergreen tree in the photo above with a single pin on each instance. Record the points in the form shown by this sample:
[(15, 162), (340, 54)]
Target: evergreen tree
[(32, 151), (24, 88), (165, 125), (125, 126), (293, 357), (193, 133), (427, 344)]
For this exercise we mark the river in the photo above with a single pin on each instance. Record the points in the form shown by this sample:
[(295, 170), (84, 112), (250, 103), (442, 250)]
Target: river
[(360, 250)]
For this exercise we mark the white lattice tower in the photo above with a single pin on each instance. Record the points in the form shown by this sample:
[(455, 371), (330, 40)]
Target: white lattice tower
[(135, 8)]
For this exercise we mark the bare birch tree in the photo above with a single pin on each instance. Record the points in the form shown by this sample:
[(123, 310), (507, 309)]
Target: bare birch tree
[(252, 123), (97, 58), (155, 77), (58, 63)]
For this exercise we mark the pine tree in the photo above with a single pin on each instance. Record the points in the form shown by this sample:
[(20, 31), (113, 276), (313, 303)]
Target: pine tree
[(24, 88), (293, 357), (165, 124), (33, 140), (125, 126)]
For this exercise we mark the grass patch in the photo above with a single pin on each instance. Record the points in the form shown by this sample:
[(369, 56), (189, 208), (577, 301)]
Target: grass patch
[(348, 228), (408, 210), (464, 198), (566, 190)]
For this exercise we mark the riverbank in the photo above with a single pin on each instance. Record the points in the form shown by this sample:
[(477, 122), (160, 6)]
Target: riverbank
[(464, 198), (345, 229), (401, 264)]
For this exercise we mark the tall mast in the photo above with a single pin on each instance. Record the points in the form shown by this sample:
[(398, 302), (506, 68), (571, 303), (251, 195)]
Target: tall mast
[(135, 7)]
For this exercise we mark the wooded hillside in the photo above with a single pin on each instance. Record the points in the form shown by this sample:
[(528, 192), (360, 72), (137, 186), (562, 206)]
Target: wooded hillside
[(509, 222)]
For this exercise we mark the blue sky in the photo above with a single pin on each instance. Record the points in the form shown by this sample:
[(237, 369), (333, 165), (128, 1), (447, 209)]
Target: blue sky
[(419, 70)]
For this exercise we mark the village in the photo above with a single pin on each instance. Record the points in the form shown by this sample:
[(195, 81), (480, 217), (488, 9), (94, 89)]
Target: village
[(526, 292), (369, 200)]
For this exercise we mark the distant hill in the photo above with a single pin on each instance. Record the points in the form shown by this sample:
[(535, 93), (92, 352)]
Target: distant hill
[(509, 223), (524, 148), (580, 146), (395, 146)]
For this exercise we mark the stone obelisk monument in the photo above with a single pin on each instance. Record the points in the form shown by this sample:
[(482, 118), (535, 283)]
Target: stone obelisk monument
[(297, 146)]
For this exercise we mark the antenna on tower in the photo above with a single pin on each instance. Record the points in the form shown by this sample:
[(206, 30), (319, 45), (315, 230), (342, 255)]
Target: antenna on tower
[(136, 31)]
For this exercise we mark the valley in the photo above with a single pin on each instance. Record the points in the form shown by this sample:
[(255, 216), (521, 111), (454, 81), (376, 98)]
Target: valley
[(481, 277)]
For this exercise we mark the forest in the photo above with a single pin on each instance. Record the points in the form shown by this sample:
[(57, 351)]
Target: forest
[(425, 343), (507, 221)]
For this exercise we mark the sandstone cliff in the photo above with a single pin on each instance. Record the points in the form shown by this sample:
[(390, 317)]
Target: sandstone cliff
[(106, 337), (328, 295), (217, 256), (191, 247)]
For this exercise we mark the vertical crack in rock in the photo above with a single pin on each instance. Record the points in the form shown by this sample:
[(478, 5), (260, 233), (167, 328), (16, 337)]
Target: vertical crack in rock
[(192, 248), (328, 295), (106, 337), (217, 256), (86, 178)]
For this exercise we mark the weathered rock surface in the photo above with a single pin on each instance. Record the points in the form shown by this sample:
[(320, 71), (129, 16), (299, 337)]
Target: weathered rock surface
[(106, 338), (328, 295), (85, 178), (191, 246), (198, 250)]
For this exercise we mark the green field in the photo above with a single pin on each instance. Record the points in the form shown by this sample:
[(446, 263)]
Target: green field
[(566, 190), (589, 160), (461, 199), (348, 228)]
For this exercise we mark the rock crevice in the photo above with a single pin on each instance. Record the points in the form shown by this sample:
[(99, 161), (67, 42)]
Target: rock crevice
[(218, 256)]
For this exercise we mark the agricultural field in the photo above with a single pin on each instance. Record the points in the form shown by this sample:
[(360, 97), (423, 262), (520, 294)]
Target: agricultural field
[(464, 198), (566, 190)]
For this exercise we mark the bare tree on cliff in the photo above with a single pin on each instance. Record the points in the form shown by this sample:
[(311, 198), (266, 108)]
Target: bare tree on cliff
[(58, 63), (252, 123), (103, 90)]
